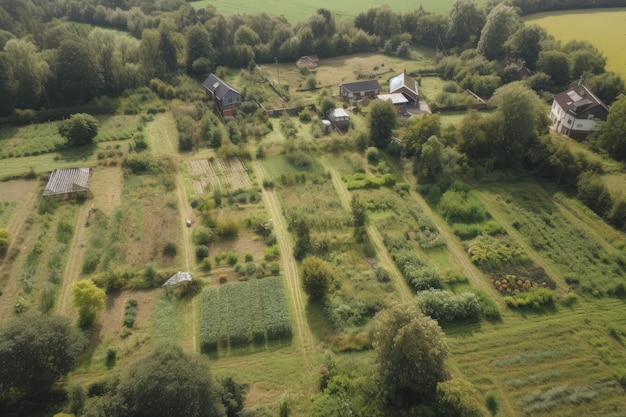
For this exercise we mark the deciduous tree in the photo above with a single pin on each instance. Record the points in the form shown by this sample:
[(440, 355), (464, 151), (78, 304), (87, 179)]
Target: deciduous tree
[(383, 118), (466, 20), (79, 129), (520, 119), (170, 382), (410, 352), (34, 352), (501, 22), (88, 298), (612, 137), (316, 277)]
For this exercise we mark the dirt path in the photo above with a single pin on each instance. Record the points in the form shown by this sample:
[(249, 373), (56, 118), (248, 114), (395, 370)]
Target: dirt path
[(74, 259), (290, 268), (185, 213), (375, 238)]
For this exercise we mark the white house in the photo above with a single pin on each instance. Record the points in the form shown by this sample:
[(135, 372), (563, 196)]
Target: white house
[(574, 112)]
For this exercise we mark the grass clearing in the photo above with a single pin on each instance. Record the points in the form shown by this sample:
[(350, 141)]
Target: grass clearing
[(608, 34)]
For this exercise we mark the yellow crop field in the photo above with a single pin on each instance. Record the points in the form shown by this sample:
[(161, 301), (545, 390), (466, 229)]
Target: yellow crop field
[(604, 28)]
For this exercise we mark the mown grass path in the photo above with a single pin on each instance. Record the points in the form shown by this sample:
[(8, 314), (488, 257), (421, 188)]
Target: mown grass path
[(74, 260), (290, 268)]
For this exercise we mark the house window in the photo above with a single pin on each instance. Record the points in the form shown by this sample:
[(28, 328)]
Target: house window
[(569, 121), (579, 125), (590, 117)]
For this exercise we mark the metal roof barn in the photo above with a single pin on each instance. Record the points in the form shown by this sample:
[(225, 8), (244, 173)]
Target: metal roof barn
[(65, 181)]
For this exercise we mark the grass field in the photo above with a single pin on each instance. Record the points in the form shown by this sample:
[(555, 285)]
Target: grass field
[(608, 33), (297, 10)]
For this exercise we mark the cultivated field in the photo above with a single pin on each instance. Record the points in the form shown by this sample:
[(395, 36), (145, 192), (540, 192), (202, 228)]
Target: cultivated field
[(607, 34), (222, 175), (297, 10), (246, 308)]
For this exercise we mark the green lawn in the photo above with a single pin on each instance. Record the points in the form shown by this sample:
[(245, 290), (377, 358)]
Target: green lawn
[(608, 33), (297, 10)]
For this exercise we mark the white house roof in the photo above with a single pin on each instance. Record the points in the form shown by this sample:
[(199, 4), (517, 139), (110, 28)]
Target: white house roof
[(70, 180), (403, 80), (396, 98)]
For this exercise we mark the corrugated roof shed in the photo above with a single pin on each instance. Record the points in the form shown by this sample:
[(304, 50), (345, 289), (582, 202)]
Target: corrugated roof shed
[(70, 180)]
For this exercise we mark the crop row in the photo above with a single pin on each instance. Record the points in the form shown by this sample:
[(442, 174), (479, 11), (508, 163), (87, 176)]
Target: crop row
[(218, 174), (581, 257), (246, 312)]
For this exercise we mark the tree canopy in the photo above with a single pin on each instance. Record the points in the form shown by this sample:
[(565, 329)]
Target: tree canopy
[(612, 137), (34, 352), (79, 129), (410, 353), (316, 277), (88, 298), (169, 382), (383, 118)]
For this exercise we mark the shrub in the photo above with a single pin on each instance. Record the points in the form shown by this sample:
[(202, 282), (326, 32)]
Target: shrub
[(227, 229), (304, 116), (130, 313), (202, 235), (461, 207), (202, 251), (492, 402), (271, 252), (170, 249), (447, 307), (535, 298)]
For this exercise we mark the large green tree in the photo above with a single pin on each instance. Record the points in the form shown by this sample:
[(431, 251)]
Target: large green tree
[(88, 298), (383, 118), (34, 352), (410, 352), (316, 277), (466, 20), (26, 73), (607, 86), (612, 137), (79, 129), (170, 382), (79, 74), (501, 22), (525, 43), (520, 118)]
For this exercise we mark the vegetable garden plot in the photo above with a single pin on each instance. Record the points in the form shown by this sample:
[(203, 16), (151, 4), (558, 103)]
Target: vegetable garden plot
[(218, 174), (241, 313), (584, 258)]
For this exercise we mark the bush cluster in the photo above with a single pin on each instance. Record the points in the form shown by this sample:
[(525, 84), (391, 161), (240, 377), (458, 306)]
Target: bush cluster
[(130, 313), (444, 306), (534, 298), (361, 181)]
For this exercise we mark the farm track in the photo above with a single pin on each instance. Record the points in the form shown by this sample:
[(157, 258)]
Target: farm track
[(15, 229), (290, 268), (190, 310), (375, 238), (74, 260)]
